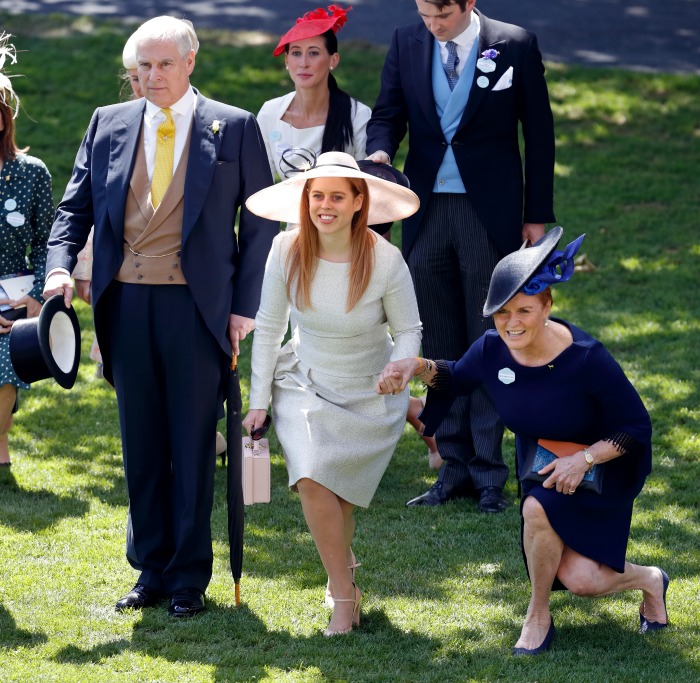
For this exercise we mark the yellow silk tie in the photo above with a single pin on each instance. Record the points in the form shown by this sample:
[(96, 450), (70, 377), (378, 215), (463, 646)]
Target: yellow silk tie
[(165, 154)]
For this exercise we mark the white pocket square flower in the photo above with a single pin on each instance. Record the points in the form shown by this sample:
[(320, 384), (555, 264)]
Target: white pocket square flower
[(215, 125), (505, 81)]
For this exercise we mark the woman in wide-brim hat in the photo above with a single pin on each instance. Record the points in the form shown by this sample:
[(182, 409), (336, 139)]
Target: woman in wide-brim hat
[(26, 214), (343, 288), (317, 115), (550, 380)]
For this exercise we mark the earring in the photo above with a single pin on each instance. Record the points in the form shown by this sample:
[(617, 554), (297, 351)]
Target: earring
[(546, 322)]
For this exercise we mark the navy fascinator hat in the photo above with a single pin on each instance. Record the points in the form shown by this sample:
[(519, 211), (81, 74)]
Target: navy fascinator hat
[(531, 270)]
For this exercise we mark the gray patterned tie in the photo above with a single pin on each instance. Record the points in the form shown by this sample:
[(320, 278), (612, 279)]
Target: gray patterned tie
[(451, 65)]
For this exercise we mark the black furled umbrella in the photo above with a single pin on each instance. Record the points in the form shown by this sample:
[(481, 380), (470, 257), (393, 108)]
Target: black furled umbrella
[(234, 476)]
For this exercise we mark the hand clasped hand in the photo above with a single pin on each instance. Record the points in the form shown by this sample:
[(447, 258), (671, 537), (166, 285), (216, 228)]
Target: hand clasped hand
[(566, 474), (395, 376)]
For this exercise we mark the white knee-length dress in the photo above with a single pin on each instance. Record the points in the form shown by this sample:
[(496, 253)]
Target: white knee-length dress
[(332, 425)]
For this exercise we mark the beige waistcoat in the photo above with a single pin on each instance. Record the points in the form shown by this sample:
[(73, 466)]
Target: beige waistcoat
[(153, 237)]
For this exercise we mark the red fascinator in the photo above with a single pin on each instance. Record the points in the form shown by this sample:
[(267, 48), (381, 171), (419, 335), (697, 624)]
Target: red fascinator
[(314, 24)]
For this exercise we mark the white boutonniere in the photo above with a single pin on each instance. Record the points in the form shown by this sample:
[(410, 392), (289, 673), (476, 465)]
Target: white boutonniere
[(215, 124)]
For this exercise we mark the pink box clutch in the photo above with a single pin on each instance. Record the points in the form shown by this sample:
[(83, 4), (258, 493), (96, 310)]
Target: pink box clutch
[(256, 471)]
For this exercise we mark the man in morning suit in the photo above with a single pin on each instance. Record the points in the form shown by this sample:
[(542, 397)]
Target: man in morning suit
[(173, 290), (460, 83)]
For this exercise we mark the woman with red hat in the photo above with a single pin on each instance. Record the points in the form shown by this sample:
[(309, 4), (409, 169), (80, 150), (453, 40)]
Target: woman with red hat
[(318, 115)]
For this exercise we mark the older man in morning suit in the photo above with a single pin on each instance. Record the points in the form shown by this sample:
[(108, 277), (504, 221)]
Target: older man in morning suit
[(461, 84), (174, 291)]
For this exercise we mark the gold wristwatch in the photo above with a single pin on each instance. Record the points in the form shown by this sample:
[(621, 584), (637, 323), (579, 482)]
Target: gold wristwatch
[(589, 458)]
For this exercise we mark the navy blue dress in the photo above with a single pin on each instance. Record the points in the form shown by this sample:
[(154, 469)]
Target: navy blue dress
[(583, 396)]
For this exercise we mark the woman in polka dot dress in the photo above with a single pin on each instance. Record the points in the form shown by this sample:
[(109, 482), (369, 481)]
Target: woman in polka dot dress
[(26, 214)]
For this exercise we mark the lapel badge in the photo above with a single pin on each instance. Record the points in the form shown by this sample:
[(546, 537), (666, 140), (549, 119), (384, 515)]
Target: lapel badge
[(506, 375)]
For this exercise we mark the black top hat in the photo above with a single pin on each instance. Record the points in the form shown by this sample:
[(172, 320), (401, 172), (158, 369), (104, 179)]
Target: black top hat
[(47, 346), (513, 271), (385, 172)]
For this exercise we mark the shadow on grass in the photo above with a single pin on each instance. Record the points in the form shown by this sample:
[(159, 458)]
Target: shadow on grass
[(34, 510), (241, 647), (238, 645), (12, 638)]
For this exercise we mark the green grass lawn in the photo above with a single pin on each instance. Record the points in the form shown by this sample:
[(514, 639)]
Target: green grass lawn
[(445, 590)]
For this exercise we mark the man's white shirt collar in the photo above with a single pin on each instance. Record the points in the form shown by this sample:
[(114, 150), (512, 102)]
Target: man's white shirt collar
[(467, 37), (465, 41), (183, 107), (182, 113)]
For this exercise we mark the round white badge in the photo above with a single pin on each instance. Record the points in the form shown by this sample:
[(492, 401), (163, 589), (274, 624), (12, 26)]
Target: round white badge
[(506, 375), (486, 65), (482, 81), (15, 219), (10, 205), (275, 135)]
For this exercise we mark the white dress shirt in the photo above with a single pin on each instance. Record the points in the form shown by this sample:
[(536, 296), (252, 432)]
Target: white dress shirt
[(464, 42), (182, 112)]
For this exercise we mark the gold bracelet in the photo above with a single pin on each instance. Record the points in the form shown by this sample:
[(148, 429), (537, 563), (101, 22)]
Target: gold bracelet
[(427, 369), (420, 367)]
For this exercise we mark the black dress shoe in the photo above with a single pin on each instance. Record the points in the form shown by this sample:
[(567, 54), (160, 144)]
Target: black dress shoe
[(492, 500), (439, 494), (186, 603), (138, 597)]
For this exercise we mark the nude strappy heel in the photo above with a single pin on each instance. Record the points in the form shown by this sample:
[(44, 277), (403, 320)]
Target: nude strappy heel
[(328, 598), (355, 614)]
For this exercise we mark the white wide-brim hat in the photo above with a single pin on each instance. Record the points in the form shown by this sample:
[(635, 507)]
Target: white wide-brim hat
[(388, 201)]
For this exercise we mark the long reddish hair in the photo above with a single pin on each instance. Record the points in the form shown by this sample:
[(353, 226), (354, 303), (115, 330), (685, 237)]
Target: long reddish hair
[(301, 259), (8, 147)]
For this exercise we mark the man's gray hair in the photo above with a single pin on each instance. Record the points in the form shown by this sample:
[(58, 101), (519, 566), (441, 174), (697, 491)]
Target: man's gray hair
[(168, 29)]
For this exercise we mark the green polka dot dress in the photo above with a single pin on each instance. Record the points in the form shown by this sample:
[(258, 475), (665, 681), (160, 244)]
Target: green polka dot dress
[(26, 215)]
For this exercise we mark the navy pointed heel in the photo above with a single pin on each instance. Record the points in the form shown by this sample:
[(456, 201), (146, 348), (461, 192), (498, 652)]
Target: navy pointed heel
[(542, 648), (646, 625)]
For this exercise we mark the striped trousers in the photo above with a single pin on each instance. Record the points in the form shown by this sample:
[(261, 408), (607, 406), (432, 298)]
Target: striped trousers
[(451, 263)]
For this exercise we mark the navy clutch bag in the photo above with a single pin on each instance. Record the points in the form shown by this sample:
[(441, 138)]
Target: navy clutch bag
[(14, 313), (541, 453)]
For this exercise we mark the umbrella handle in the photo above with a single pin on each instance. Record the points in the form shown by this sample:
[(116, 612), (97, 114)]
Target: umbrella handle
[(234, 362), (237, 586)]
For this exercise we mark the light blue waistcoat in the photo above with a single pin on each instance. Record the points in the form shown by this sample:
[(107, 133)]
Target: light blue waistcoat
[(450, 105)]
